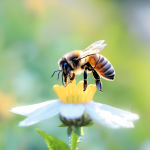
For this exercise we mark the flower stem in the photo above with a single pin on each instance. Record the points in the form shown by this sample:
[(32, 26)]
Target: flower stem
[(74, 140)]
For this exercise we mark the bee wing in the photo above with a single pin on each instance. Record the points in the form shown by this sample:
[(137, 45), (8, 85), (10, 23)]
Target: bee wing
[(93, 49)]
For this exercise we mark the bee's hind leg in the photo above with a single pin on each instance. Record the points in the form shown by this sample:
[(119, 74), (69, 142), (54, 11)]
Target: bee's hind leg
[(85, 80), (97, 80)]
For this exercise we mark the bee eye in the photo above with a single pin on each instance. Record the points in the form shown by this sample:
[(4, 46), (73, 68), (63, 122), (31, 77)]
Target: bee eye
[(75, 62), (74, 59)]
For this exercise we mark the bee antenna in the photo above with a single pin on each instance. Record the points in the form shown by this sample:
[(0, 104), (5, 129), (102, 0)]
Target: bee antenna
[(55, 72), (58, 74)]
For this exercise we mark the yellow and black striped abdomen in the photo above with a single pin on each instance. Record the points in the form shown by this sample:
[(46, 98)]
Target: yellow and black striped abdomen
[(104, 68)]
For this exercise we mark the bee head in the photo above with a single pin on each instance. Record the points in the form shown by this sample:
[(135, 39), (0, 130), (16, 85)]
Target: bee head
[(64, 66)]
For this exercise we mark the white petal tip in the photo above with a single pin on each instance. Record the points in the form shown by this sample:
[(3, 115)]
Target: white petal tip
[(13, 111), (100, 42), (21, 124), (102, 46), (136, 117), (25, 124), (131, 125), (132, 117), (17, 110)]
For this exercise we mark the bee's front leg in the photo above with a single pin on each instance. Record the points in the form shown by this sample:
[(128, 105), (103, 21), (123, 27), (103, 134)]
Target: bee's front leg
[(97, 80), (85, 80), (66, 80), (65, 72), (71, 76)]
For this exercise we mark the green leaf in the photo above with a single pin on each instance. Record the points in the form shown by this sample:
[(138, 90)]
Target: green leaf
[(77, 130), (91, 123), (62, 125), (52, 142)]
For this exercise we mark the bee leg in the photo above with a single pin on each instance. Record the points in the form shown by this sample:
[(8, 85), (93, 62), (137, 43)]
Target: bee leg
[(71, 76), (65, 80), (62, 79), (99, 85), (85, 80), (97, 80)]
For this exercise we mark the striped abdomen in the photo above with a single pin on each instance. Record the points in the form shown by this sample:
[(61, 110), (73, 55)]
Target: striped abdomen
[(103, 67)]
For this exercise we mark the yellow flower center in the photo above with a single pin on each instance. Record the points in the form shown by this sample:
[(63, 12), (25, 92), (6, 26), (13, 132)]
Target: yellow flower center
[(73, 93)]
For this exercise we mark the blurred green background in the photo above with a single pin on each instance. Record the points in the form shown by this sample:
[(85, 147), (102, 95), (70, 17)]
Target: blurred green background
[(34, 34)]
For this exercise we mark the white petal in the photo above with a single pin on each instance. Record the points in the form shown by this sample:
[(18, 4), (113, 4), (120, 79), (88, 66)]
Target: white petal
[(25, 110), (47, 111), (99, 42), (110, 116), (72, 111), (102, 47)]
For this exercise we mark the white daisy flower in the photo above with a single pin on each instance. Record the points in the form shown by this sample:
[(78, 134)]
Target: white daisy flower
[(76, 107)]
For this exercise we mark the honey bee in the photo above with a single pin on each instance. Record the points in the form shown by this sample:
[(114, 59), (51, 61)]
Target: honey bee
[(86, 61)]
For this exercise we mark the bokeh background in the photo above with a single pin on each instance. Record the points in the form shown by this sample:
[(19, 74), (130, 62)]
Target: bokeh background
[(34, 34)]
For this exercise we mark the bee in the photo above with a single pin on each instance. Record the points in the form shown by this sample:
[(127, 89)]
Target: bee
[(86, 61)]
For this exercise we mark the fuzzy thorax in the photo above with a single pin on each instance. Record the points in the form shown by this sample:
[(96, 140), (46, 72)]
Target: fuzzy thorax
[(74, 93)]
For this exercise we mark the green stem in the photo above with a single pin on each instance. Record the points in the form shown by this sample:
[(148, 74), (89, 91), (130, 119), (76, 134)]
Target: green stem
[(74, 140)]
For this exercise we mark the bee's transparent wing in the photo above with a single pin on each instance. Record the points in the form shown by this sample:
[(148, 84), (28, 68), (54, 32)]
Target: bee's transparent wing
[(93, 49)]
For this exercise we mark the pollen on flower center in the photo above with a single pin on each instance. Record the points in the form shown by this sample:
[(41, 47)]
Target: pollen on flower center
[(74, 93)]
